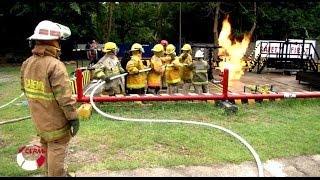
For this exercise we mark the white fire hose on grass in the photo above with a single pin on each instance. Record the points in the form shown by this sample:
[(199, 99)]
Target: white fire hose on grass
[(17, 119), (11, 101), (255, 155)]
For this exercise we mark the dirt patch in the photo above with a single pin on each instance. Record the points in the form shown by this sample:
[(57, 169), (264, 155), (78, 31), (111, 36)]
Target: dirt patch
[(82, 157), (185, 151), (2, 143), (35, 141), (76, 155), (122, 155)]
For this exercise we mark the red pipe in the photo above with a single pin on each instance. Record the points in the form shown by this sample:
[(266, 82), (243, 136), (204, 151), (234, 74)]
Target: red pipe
[(152, 98), (223, 96), (195, 97), (225, 83), (79, 84)]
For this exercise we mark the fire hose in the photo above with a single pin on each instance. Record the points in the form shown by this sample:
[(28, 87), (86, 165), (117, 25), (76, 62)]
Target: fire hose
[(114, 77), (13, 120), (11, 101), (255, 155)]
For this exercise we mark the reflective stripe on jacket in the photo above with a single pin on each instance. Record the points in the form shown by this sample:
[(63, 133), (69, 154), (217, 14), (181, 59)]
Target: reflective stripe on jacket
[(109, 65), (185, 73), (135, 80), (45, 82), (172, 71), (200, 72), (154, 76)]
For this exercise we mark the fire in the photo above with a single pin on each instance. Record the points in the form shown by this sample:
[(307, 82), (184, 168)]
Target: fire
[(231, 52)]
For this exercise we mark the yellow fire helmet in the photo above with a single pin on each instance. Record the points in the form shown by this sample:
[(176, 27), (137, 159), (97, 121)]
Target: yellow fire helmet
[(186, 47), (137, 47), (170, 49), (157, 48), (110, 46)]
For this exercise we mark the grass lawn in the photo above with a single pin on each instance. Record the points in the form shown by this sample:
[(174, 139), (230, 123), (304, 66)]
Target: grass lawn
[(275, 129)]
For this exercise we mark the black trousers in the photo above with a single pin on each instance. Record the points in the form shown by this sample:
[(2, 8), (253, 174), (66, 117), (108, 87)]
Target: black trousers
[(136, 91)]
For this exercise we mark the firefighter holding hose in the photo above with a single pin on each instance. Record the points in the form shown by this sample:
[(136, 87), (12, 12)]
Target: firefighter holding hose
[(164, 43), (45, 82), (136, 81), (186, 74), (154, 76), (172, 69), (109, 66)]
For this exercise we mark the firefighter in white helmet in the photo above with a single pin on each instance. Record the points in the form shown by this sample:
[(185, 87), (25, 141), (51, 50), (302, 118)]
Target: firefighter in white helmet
[(45, 82), (186, 74), (109, 66), (199, 69), (136, 81)]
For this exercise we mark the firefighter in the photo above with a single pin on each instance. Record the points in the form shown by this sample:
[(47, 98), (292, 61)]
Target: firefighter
[(164, 43), (164, 85), (200, 73), (186, 74), (124, 60), (109, 66), (154, 76), (136, 81), (172, 70), (45, 82)]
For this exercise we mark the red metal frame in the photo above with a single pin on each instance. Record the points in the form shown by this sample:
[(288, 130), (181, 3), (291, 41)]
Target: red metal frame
[(224, 96)]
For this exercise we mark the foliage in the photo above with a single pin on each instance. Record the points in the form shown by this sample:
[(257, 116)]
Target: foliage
[(149, 22)]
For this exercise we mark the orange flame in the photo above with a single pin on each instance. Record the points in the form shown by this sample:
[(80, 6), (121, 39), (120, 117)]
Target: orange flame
[(231, 52)]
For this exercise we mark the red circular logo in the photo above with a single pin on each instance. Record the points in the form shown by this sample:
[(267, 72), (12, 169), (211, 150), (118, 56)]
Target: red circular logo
[(31, 157)]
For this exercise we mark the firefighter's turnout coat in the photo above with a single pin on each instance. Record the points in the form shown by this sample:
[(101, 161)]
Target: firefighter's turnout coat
[(110, 65), (45, 82), (200, 72), (185, 73), (172, 71), (136, 79), (154, 76)]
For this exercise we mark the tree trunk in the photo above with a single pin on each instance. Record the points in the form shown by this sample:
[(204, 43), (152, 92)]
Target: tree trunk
[(215, 32), (110, 12), (255, 19)]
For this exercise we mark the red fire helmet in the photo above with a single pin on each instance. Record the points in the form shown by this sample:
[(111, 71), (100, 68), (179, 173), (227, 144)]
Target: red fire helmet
[(164, 42)]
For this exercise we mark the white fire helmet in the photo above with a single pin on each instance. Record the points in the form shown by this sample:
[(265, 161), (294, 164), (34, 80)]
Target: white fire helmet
[(48, 30), (199, 54)]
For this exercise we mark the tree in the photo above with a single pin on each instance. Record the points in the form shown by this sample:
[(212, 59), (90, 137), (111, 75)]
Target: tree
[(215, 31), (110, 13)]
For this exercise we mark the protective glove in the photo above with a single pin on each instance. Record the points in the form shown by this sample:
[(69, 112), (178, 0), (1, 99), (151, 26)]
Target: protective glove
[(173, 56), (106, 78), (145, 63), (75, 124), (185, 56)]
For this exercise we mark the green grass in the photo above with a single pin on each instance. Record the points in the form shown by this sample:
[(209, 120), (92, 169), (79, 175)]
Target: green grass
[(275, 129)]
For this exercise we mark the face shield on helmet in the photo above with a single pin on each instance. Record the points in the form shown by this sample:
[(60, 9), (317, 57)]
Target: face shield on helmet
[(48, 30), (110, 46), (137, 47)]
